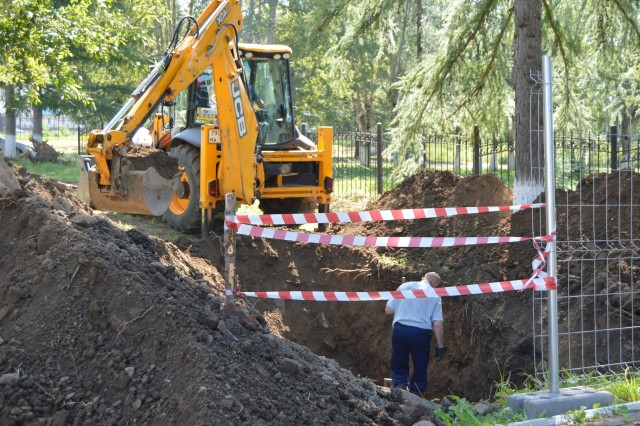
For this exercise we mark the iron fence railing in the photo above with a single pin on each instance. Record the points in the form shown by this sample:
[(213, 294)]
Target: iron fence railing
[(363, 168), (579, 154)]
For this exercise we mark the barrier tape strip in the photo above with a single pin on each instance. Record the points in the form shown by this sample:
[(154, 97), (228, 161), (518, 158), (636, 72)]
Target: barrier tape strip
[(372, 216), (540, 261), (372, 241), (539, 284)]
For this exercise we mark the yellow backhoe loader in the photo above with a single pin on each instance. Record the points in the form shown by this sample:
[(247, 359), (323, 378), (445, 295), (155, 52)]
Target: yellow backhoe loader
[(212, 117)]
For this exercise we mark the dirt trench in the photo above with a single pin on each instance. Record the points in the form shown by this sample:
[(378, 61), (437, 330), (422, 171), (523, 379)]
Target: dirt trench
[(104, 326), (486, 336)]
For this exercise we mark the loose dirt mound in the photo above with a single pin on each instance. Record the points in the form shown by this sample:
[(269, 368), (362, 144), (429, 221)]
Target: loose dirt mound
[(109, 327), (102, 326)]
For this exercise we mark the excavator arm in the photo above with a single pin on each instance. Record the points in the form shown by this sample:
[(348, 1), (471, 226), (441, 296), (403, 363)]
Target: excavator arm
[(115, 186)]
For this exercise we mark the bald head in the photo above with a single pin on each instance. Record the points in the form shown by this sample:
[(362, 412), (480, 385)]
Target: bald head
[(432, 278)]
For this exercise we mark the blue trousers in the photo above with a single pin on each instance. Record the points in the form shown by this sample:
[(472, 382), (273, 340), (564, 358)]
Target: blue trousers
[(414, 341)]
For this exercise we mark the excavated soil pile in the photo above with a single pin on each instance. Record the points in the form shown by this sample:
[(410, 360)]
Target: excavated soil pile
[(142, 158), (103, 326)]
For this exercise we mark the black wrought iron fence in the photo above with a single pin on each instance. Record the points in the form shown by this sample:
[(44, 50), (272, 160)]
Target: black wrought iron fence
[(581, 153), (364, 169)]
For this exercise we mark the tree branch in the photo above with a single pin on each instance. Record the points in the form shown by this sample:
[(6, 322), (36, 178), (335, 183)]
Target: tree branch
[(483, 78), (447, 67), (557, 34), (628, 18)]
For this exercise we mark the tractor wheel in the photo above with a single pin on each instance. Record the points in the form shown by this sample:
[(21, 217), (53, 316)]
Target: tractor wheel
[(184, 213), (322, 208), (288, 205)]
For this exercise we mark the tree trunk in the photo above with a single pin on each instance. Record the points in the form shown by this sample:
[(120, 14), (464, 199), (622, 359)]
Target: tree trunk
[(271, 27), (10, 123), (527, 53), (395, 64), (249, 30), (419, 48), (625, 134), (358, 106), (37, 124)]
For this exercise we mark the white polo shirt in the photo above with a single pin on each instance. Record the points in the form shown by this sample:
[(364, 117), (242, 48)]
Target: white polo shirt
[(419, 313)]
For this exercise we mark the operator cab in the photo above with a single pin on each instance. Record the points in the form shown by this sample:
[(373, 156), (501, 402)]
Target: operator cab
[(267, 71), (268, 79)]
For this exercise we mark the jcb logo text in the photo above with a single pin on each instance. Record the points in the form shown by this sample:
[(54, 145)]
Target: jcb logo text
[(237, 106)]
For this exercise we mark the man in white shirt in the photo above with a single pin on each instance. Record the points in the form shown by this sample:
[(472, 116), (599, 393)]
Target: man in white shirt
[(414, 321)]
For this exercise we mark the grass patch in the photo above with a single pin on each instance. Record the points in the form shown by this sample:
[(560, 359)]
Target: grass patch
[(624, 386), (66, 170)]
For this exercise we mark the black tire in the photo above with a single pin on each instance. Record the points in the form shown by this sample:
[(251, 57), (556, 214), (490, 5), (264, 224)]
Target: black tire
[(322, 208), (184, 215), (288, 205), (280, 205)]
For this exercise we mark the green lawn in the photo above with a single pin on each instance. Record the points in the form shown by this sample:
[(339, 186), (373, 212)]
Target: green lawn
[(66, 170)]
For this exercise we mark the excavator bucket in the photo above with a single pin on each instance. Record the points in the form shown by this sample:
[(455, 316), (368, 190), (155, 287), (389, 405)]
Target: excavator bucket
[(143, 192)]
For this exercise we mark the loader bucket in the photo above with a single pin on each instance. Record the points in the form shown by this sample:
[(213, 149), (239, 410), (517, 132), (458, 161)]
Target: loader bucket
[(144, 192), (85, 163)]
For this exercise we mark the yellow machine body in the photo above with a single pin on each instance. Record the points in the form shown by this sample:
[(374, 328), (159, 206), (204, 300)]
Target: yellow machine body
[(231, 157)]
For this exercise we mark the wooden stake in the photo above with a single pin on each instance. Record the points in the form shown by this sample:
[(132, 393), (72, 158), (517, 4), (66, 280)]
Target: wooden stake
[(229, 246)]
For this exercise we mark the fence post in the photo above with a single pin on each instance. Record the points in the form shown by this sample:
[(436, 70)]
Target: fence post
[(493, 164), (456, 160), (379, 156), (477, 166), (303, 129), (614, 147), (550, 198)]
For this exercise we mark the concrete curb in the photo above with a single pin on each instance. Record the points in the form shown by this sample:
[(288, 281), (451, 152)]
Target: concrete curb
[(563, 419)]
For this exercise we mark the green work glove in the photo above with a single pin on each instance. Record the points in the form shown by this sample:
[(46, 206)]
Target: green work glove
[(440, 354)]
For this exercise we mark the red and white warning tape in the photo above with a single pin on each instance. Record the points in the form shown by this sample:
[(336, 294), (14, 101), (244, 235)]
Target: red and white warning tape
[(242, 224), (372, 241), (371, 216), (537, 284)]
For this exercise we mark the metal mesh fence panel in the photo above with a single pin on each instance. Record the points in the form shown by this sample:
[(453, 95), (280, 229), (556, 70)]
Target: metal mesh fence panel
[(598, 260)]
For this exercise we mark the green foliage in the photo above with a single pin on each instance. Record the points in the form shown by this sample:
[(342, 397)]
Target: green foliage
[(390, 262), (74, 55), (505, 387), (426, 65), (579, 417), (626, 388), (462, 413), (465, 75)]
